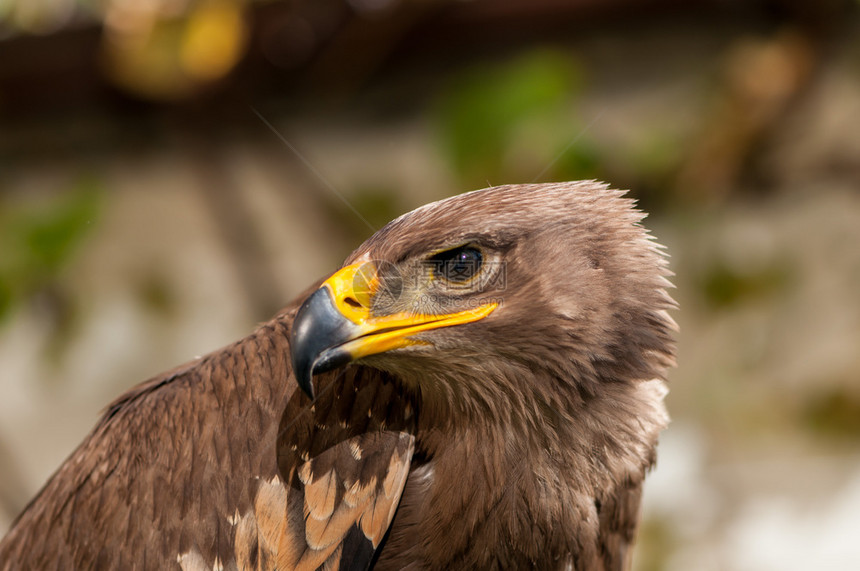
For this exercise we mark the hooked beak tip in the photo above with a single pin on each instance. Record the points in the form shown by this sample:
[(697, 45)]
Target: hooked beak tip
[(318, 329)]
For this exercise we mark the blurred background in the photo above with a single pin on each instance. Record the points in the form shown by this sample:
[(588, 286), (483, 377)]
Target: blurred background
[(174, 171)]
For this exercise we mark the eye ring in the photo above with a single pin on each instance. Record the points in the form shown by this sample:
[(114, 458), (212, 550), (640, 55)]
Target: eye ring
[(458, 266)]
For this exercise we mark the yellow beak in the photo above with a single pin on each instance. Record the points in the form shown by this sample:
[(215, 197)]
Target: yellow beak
[(336, 325)]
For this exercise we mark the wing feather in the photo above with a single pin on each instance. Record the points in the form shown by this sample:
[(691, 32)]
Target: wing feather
[(184, 471), (247, 546), (348, 496), (320, 496), (269, 512)]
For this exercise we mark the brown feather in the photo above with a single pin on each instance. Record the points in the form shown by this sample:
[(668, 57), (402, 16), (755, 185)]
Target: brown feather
[(517, 441), (269, 511)]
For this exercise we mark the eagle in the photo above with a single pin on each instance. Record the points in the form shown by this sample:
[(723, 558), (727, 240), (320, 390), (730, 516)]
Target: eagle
[(479, 386)]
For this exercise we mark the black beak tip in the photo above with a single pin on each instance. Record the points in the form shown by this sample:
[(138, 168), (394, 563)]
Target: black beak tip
[(303, 370), (317, 331)]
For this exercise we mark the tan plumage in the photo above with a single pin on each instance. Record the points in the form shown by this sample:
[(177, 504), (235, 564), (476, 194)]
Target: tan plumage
[(487, 396)]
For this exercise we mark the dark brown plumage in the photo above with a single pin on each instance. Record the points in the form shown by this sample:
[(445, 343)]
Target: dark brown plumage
[(488, 395)]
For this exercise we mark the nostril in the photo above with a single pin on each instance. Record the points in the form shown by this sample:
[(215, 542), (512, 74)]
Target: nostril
[(352, 302)]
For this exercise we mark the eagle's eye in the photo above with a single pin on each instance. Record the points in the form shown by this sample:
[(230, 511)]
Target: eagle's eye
[(459, 265)]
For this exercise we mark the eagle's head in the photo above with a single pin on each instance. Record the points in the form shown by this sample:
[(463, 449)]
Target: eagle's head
[(502, 293)]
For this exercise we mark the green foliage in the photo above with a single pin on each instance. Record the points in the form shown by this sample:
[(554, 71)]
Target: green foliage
[(37, 239), (510, 122), (377, 205), (650, 166), (582, 159), (723, 286)]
